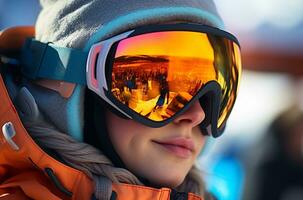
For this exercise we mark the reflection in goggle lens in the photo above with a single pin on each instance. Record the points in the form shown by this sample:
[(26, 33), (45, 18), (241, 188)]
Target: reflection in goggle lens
[(156, 74)]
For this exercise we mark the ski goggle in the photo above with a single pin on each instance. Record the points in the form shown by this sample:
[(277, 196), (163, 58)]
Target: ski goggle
[(153, 74)]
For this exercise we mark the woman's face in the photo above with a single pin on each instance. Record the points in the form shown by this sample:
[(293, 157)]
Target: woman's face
[(163, 155)]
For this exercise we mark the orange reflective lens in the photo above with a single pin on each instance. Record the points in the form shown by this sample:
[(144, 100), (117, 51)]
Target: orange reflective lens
[(156, 74)]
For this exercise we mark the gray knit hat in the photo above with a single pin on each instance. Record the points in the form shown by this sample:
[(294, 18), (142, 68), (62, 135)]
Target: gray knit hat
[(81, 23)]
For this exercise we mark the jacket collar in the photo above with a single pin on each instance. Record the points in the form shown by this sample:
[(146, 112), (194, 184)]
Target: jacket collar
[(19, 153)]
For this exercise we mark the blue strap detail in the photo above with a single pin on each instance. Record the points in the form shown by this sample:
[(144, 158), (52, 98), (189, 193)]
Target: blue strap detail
[(44, 60)]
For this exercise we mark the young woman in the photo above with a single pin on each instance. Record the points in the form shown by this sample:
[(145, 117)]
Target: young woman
[(81, 139)]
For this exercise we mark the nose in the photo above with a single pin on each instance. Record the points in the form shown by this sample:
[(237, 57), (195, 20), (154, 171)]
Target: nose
[(193, 116)]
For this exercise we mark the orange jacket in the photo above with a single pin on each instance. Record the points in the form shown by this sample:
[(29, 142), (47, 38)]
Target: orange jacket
[(27, 172)]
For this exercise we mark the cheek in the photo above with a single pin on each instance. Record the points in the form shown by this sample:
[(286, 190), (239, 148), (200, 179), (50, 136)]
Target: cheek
[(126, 135), (119, 130), (199, 138), (132, 141)]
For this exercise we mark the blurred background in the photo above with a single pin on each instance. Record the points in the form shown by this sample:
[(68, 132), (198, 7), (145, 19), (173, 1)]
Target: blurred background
[(245, 163), (250, 160)]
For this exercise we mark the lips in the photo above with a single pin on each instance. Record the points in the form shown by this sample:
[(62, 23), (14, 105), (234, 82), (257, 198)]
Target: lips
[(180, 147)]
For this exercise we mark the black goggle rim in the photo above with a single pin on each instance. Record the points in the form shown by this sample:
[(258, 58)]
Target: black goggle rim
[(212, 88)]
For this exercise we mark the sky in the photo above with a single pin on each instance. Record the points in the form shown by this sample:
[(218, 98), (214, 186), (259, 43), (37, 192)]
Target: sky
[(248, 15)]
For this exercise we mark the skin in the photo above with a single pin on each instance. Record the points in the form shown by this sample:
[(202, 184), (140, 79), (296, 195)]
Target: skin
[(135, 144)]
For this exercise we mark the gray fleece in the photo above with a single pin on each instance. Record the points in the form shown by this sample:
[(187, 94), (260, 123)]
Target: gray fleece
[(72, 22)]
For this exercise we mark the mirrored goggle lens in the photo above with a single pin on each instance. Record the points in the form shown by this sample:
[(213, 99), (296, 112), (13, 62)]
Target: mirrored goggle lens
[(156, 74)]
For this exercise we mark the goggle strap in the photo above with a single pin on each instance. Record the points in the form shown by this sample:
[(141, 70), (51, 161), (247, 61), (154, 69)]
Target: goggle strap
[(45, 60)]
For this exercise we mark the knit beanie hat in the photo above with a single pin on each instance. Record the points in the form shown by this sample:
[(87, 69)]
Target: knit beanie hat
[(81, 23)]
